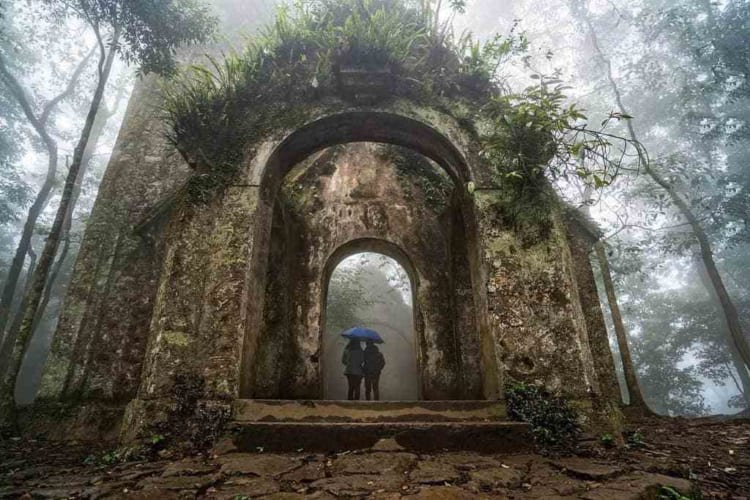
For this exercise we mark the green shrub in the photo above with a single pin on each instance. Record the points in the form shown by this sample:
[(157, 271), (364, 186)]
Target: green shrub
[(669, 493), (634, 439), (527, 136), (554, 424)]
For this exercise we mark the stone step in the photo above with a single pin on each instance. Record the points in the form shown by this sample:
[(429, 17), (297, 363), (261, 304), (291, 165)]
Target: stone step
[(291, 411), (483, 437)]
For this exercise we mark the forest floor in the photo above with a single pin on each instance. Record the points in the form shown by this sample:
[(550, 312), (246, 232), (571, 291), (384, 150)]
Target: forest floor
[(710, 456)]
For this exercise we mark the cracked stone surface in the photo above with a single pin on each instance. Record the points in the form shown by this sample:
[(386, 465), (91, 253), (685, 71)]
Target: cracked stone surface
[(585, 469), (434, 472), (38, 469), (374, 463)]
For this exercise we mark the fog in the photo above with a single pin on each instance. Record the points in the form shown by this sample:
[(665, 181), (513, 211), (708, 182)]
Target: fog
[(372, 291), (680, 68)]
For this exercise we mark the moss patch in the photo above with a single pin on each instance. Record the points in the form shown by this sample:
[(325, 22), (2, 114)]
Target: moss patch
[(554, 423), (414, 169), (176, 338)]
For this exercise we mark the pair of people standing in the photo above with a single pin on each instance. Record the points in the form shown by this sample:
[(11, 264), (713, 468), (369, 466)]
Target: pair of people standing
[(358, 364)]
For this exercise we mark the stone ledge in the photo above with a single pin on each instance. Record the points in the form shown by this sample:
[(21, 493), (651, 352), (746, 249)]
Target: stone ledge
[(510, 437), (88, 421)]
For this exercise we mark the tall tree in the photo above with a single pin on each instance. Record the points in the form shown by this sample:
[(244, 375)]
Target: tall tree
[(143, 32), (636, 399), (39, 121), (728, 309), (631, 379), (102, 117)]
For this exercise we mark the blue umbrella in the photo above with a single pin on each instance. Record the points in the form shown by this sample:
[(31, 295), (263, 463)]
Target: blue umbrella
[(360, 333)]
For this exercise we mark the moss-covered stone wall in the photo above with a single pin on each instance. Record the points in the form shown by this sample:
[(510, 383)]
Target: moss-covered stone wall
[(100, 341), (181, 276)]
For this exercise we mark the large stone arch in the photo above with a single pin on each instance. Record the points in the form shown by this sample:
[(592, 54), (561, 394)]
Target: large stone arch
[(360, 126), (426, 131), (375, 245)]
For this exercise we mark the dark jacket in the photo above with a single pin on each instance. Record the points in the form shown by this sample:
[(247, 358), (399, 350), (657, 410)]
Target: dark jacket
[(353, 359), (374, 360)]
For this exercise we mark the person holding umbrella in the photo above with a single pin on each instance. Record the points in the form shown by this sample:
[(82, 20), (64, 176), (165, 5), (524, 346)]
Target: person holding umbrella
[(374, 363), (353, 358)]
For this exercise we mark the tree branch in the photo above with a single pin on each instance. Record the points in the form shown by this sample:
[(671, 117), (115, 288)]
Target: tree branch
[(49, 107), (17, 91)]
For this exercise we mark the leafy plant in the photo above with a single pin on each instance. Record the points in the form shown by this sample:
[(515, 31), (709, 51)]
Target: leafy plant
[(157, 439), (554, 424), (296, 59), (669, 493), (635, 439), (536, 135), (115, 456), (607, 440)]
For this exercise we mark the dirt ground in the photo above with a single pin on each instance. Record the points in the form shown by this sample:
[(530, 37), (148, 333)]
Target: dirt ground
[(705, 458)]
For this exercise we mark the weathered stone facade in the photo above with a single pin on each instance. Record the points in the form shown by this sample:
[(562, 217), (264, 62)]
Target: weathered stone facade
[(180, 277)]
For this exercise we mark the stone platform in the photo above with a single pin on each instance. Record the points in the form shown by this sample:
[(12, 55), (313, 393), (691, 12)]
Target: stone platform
[(334, 426)]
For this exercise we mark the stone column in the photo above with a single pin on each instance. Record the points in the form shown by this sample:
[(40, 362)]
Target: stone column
[(485, 301), (200, 312), (535, 316)]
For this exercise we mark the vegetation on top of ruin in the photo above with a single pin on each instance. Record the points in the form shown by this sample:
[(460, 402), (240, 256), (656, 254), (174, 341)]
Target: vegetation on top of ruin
[(299, 58)]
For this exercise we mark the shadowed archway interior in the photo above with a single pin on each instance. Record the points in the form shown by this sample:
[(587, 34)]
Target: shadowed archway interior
[(367, 196)]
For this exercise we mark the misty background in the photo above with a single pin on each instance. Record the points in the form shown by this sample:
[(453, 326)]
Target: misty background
[(679, 67), (373, 291)]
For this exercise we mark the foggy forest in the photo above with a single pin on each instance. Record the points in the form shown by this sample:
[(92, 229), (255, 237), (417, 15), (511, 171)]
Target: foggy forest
[(676, 68), (646, 102)]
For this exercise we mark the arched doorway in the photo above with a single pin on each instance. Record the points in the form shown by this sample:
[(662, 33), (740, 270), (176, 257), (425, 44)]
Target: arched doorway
[(288, 253), (366, 197), (374, 291)]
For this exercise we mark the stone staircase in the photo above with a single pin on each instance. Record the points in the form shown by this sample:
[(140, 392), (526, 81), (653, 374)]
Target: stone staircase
[(335, 426)]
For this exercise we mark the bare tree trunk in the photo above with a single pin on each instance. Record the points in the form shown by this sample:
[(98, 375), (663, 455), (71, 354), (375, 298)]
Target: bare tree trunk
[(15, 327), (33, 299), (26, 284), (7, 347), (59, 263), (436, 27), (736, 336), (631, 379), (100, 122), (40, 202), (743, 374)]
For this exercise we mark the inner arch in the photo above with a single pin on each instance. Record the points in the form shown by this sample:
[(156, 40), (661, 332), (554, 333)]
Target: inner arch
[(371, 290), (368, 197), (360, 126)]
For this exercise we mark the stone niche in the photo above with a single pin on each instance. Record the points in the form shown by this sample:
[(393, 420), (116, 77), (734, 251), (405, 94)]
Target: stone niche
[(367, 197)]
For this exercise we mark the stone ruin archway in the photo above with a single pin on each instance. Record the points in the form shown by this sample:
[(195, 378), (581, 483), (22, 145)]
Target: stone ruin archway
[(201, 271), (401, 380), (171, 288)]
